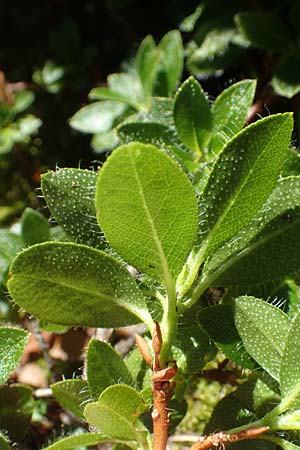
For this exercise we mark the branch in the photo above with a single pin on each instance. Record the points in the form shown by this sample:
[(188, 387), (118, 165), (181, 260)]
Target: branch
[(222, 438)]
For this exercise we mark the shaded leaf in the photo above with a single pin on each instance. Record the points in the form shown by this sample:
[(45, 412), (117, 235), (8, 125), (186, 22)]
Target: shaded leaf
[(267, 249), (72, 395), (16, 407), (263, 329), (10, 245), (70, 194), (35, 227), (72, 284), (104, 367), (79, 440), (285, 81), (219, 48), (218, 322), (4, 443), (264, 30), (12, 344)]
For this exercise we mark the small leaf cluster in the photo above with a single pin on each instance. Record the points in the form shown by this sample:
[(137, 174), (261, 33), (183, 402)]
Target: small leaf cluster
[(155, 71), (223, 38), (14, 126)]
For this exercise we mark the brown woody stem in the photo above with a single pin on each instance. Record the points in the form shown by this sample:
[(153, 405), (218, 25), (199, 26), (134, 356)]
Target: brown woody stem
[(221, 439), (162, 387)]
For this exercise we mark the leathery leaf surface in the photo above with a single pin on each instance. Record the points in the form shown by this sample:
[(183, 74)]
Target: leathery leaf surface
[(267, 248), (70, 194), (147, 209), (264, 330), (116, 412), (72, 284), (242, 178)]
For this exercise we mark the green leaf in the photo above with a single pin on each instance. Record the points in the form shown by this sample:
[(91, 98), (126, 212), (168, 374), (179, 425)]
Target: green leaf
[(70, 194), (4, 443), (72, 284), (149, 133), (104, 367), (147, 209), (72, 395), (10, 245), (230, 111), (285, 445), (189, 22), (267, 249), (258, 393), (79, 440), (242, 178), (12, 344), (290, 365), (116, 411), (16, 407), (172, 59), (194, 342), (228, 413), (218, 322), (147, 64), (263, 329), (285, 81), (99, 117), (160, 111), (219, 48), (104, 142), (35, 227), (192, 115), (121, 87), (22, 101), (263, 30)]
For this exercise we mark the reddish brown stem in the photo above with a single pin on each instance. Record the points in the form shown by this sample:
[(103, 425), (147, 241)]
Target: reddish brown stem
[(160, 414), (221, 439)]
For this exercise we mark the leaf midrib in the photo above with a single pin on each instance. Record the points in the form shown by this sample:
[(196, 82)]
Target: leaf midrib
[(162, 257), (249, 249), (108, 298), (232, 200)]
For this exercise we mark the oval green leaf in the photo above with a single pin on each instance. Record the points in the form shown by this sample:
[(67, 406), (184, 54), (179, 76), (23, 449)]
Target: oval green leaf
[(70, 194), (147, 209), (72, 395), (104, 367), (12, 344), (192, 115), (75, 285), (116, 411), (263, 329)]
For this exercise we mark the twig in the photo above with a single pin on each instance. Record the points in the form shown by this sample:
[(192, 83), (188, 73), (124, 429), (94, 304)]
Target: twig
[(162, 388), (222, 438)]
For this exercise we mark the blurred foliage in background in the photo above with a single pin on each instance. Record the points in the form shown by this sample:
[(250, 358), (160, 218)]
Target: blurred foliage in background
[(51, 54), (54, 52)]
